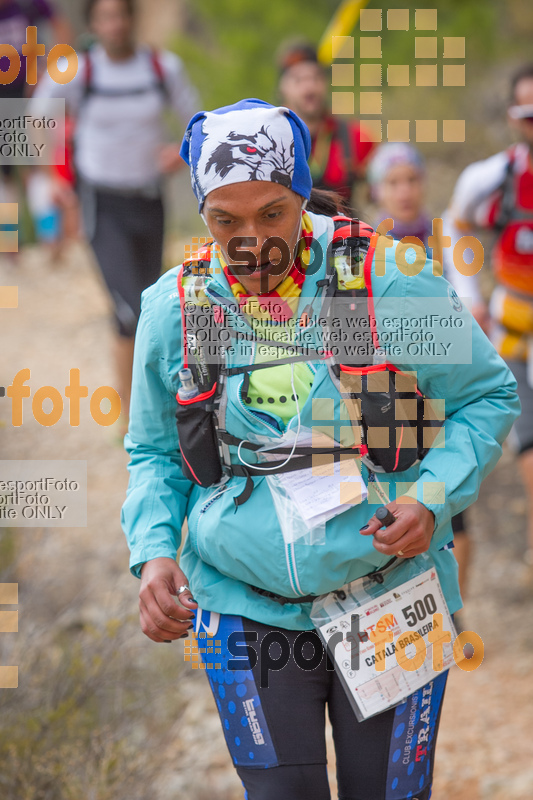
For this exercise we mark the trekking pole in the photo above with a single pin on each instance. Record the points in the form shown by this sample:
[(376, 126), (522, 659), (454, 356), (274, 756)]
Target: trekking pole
[(384, 516)]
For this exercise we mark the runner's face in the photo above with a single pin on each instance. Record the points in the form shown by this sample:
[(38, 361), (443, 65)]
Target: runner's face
[(260, 210), (113, 26), (524, 96), (303, 89), (401, 193)]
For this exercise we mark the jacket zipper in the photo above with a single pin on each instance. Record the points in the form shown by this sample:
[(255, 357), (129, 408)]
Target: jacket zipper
[(210, 502), (205, 506)]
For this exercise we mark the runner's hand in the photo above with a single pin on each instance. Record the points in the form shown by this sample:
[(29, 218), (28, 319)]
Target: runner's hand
[(409, 535), (164, 617)]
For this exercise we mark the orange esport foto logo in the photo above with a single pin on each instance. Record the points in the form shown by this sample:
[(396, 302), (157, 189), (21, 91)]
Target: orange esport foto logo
[(32, 50), (74, 392)]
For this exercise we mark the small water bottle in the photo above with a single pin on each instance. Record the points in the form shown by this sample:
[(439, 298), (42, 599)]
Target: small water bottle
[(188, 388)]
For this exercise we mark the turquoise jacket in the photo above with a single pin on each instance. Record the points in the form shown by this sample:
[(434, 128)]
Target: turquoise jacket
[(227, 551)]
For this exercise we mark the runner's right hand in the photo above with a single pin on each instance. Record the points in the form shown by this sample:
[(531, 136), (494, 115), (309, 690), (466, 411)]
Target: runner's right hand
[(164, 617)]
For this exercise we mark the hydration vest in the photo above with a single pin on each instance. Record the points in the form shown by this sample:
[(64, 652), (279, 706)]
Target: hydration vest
[(376, 396), (512, 216)]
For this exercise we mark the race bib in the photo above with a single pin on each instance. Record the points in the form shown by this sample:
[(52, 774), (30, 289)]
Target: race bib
[(387, 639)]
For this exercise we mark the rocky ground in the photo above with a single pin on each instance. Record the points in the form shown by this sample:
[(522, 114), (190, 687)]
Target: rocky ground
[(77, 580)]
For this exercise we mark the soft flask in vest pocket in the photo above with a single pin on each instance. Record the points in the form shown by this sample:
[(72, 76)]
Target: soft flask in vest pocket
[(399, 425), (195, 417), (197, 433)]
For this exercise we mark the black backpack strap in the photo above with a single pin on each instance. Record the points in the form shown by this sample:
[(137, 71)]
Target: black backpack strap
[(508, 201), (87, 76), (347, 255), (157, 68), (303, 450)]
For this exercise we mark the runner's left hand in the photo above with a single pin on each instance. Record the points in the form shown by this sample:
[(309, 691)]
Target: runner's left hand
[(409, 535)]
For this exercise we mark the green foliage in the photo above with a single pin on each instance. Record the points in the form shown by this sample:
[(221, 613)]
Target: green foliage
[(75, 727), (476, 20), (229, 47)]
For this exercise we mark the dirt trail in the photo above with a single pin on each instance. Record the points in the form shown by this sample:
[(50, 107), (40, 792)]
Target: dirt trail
[(484, 751)]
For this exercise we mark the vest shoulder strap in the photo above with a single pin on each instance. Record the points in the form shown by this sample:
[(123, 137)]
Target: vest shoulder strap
[(350, 246), (348, 227), (87, 75)]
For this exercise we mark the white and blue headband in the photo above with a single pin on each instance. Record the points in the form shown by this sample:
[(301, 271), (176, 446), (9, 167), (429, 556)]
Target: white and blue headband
[(248, 141)]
